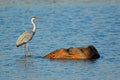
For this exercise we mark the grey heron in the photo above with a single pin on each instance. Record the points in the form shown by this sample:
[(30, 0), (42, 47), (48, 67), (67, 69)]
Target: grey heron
[(25, 37)]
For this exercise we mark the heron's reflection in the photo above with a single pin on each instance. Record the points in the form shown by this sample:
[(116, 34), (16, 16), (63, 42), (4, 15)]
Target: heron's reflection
[(28, 61), (25, 62), (27, 66)]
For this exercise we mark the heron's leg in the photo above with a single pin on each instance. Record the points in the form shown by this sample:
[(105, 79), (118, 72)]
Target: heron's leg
[(25, 50), (29, 53)]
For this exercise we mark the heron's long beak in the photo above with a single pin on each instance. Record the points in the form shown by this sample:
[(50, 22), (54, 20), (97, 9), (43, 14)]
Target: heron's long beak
[(38, 18)]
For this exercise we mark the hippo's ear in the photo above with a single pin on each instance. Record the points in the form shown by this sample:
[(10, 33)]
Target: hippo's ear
[(69, 49)]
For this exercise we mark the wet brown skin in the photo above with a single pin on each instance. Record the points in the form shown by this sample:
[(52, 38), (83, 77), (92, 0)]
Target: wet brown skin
[(79, 53)]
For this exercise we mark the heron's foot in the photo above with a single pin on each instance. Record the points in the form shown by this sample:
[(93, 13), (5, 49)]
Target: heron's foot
[(24, 55), (30, 54)]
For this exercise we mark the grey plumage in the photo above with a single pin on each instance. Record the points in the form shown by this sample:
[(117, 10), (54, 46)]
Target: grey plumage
[(24, 38)]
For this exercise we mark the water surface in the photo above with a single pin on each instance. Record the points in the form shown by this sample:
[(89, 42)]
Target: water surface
[(60, 27)]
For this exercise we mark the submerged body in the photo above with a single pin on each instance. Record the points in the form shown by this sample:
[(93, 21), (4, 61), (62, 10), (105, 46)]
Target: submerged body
[(27, 36), (79, 53)]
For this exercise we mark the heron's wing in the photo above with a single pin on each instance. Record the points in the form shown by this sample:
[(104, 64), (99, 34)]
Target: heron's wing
[(24, 38)]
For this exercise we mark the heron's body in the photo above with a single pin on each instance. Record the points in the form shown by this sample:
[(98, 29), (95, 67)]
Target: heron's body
[(24, 38), (27, 36)]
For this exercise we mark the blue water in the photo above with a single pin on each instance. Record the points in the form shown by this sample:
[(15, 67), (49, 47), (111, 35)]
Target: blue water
[(60, 27)]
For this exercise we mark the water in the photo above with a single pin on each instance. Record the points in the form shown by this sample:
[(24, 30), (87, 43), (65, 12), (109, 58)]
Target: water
[(60, 26)]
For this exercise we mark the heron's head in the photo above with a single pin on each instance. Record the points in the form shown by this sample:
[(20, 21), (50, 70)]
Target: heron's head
[(35, 18)]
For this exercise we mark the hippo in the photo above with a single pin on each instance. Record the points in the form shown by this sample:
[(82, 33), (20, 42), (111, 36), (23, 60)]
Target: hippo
[(79, 53)]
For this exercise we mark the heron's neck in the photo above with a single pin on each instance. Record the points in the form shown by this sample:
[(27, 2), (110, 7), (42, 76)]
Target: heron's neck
[(34, 25)]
